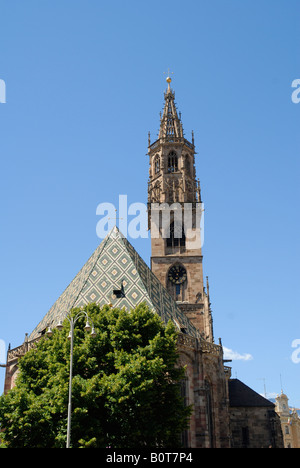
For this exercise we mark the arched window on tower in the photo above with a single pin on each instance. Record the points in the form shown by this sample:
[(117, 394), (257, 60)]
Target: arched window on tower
[(174, 240), (172, 162), (156, 164)]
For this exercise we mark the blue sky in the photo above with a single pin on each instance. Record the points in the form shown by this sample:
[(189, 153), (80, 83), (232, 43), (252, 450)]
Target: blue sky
[(84, 85)]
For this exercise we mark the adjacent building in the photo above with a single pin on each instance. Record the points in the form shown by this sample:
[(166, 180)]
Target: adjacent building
[(253, 420), (290, 422)]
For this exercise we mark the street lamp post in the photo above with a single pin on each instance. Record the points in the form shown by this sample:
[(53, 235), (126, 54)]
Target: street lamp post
[(72, 320)]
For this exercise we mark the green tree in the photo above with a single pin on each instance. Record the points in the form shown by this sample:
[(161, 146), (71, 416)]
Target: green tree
[(126, 386)]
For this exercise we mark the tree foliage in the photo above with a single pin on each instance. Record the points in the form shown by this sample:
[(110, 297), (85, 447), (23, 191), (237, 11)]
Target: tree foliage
[(125, 392)]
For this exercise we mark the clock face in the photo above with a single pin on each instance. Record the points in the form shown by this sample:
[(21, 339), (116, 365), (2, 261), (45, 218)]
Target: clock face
[(177, 274)]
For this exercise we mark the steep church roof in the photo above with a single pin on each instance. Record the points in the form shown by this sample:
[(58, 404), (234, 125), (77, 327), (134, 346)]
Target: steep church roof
[(115, 274), (242, 395)]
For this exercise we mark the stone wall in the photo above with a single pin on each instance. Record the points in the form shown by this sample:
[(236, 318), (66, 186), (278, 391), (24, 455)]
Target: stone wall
[(255, 428)]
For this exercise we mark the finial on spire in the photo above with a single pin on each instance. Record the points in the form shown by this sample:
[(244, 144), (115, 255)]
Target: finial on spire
[(168, 79)]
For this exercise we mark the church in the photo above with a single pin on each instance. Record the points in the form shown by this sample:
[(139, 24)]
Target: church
[(226, 413)]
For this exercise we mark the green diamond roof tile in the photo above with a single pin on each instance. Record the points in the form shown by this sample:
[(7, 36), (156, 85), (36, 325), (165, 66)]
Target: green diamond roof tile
[(113, 263)]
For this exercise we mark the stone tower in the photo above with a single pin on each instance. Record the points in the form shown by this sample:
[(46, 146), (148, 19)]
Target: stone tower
[(174, 216)]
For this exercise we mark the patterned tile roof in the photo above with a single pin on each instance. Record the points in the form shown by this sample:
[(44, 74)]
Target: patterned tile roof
[(113, 264)]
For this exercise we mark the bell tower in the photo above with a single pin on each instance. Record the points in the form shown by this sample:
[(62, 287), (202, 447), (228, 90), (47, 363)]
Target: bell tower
[(174, 215)]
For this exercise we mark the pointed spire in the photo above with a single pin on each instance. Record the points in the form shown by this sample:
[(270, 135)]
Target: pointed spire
[(207, 286), (170, 123)]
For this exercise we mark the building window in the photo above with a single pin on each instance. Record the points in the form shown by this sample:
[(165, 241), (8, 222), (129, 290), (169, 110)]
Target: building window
[(174, 240), (188, 165), (172, 162), (209, 413), (157, 165), (245, 436), (184, 387)]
